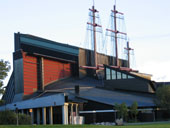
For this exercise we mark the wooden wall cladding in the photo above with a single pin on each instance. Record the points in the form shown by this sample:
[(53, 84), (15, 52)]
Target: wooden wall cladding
[(30, 74), (82, 57), (102, 59), (54, 70)]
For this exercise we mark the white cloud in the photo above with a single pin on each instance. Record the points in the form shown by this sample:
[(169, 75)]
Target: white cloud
[(159, 70)]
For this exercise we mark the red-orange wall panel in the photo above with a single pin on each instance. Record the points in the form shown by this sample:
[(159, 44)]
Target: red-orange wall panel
[(54, 70), (30, 74)]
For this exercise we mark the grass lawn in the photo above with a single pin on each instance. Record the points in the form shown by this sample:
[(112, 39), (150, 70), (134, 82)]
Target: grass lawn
[(152, 125)]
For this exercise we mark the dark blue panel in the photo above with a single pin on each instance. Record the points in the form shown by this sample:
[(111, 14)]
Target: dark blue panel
[(44, 43), (50, 46), (9, 92)]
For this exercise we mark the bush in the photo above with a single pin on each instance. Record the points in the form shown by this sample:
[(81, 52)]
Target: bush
[(24, 119), (9, 117)]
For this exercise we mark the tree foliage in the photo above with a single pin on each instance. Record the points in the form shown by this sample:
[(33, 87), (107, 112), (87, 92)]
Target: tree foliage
[(4, 69), (163, 97), (134, 111), (122, 110)]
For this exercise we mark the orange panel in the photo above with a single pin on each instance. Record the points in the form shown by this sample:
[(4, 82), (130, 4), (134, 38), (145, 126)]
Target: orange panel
[(54, 70), (30, 74)]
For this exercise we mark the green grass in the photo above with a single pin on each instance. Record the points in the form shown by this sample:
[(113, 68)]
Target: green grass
[(151, 125)]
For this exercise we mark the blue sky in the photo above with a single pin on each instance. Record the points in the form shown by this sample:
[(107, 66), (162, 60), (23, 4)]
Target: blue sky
[(147, 25)]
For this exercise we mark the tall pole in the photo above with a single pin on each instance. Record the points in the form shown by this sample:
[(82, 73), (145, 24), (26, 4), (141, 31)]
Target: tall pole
[(115, 26), (16, 110), (94, 24), (94, 37), (115, 2), (115, 31), (17, 117), (128, 53)]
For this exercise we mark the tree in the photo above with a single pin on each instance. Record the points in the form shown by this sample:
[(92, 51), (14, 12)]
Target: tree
[(163, 97), (134, 111), (4, 69), (122, 110)]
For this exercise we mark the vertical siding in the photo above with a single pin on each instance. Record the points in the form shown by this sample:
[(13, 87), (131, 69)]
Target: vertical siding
[(67, 70), (30, 74), (54, 70)]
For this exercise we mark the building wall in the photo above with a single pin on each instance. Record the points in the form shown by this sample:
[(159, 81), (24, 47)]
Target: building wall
[(18, 73), (9, 91), (97, 117), (82, 62), (86, 58), (102, 59), (28, 69), (51, 71), (30, 74), (54, 70), (128, 84)]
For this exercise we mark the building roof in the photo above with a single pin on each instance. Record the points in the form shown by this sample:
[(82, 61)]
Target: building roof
[(44, 48), (93, 90), (70, 83), (36, 102), (47, 44), (112, 97)]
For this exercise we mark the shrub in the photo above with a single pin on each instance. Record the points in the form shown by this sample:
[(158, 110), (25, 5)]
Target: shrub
[(9, 117), (24, 119)]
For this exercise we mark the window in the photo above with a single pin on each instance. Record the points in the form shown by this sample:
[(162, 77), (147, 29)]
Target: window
[(113, 74), (107, 74), (118, 75), (124, 76)]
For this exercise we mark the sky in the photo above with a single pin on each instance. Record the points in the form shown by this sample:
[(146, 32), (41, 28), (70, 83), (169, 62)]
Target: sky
[(65, 21)]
